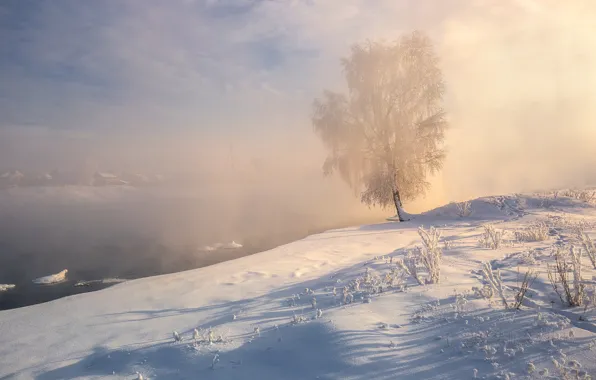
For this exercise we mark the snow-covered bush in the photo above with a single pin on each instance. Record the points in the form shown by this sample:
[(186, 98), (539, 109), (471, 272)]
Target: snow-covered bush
[(427, 258), (431, 254), (409, 264), (297, 319), (464, 209), (447, 245), (491, 238), (494, 281), (206, 337), (581, 195), (570, 370), (347, 296), (529, 278), (460, 303), (570, 291), (396, 277), (494, 285), (587, 244), (486, 292), (534, 232)]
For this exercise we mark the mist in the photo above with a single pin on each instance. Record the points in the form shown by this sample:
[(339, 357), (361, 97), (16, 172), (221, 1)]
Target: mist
[(520, 77), (521, 82), (229, 125)]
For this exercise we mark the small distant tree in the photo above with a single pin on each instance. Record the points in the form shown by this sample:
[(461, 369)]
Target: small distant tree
[(385, 135)]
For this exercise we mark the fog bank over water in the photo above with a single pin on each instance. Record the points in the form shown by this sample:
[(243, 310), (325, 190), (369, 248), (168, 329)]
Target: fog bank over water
[(103, 232)]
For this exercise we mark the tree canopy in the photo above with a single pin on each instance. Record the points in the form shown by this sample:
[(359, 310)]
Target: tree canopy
[(384, 136)]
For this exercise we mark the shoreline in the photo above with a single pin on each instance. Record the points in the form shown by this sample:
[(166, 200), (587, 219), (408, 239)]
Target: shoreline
[(26, 293)]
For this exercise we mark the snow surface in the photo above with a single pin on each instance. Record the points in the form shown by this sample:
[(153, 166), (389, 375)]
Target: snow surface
[(52, 279), (254, 317), (6, 287)]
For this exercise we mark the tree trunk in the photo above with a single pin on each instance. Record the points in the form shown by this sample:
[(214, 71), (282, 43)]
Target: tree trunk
[(401, 214)]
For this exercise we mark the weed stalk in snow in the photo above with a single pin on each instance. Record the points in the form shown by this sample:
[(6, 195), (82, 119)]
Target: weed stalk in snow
[(431, 254), (495, 282), (491, 238), (588, 245), (464, 209), (572, 291)]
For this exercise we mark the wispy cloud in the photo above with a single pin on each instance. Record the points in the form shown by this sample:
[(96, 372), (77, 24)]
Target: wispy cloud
[(155, 56)]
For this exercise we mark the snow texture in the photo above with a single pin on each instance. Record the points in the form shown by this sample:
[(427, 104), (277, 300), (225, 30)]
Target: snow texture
[(331, 306)]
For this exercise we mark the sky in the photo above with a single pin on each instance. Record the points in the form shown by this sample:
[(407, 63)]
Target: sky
[(149, 82)]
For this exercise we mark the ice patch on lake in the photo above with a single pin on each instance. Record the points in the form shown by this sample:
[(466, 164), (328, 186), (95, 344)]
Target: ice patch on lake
[(215, 247), (104, 281), (6, 287), (52, 279)]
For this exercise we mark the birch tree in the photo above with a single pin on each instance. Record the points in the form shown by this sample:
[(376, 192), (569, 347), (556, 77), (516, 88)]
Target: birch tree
[(384, 135)]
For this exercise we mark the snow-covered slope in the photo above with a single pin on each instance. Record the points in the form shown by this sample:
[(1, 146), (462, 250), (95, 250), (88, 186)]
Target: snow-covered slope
[(255, 317)]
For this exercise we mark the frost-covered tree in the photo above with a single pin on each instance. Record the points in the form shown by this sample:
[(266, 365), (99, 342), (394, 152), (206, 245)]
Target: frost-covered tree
[(385, 135)]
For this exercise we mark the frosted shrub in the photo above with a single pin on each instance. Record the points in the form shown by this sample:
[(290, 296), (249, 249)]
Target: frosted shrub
[(494, 281), (535, 232), (297, 319), (572, 371), (396, 277), (460, 303), (431, 254), (569, 290), (409, 265), (486, 292), (528, 280), (587, 244), (429, 257), (447, 245), (491, 238), (581, 195), (347, 296), (464, 209)]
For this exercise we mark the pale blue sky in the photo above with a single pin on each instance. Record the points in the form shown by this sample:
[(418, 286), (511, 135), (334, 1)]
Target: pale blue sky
[(203, 64)]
